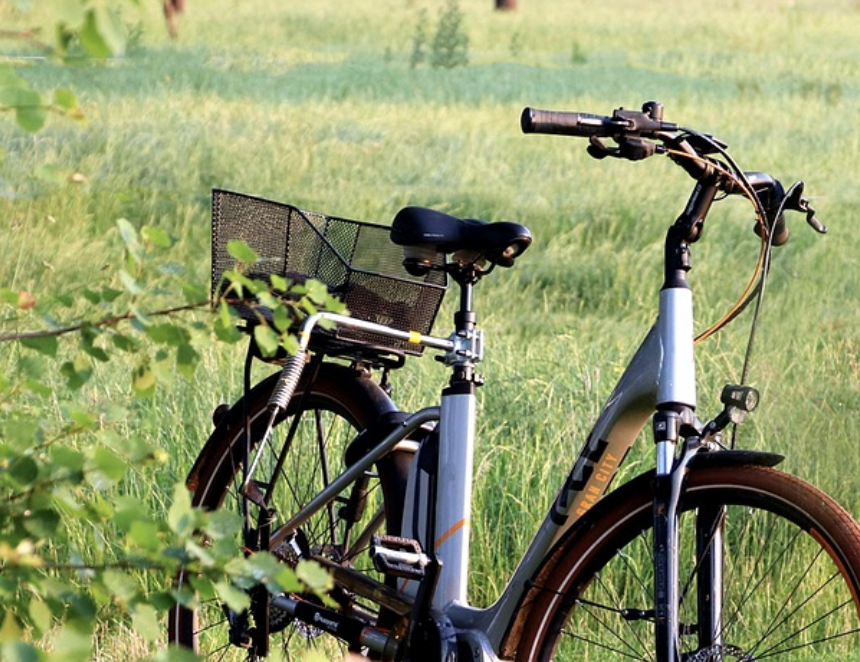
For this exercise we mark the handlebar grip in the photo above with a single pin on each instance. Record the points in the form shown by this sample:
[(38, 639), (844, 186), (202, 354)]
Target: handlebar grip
[(564, 123)]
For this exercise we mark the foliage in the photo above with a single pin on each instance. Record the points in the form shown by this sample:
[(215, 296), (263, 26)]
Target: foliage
[(72, 552), (449, 47)]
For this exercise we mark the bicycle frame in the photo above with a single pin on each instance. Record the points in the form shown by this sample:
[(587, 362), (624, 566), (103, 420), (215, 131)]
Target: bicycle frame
[(660, 377)]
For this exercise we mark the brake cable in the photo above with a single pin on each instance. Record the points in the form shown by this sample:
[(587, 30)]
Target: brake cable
[(754, 285)]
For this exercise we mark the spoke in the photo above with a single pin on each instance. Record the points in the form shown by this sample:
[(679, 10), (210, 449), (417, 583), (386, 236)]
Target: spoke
[(613, 598), (605, 647), (765, 575), (776, 625), (770, 651), (321, 446)]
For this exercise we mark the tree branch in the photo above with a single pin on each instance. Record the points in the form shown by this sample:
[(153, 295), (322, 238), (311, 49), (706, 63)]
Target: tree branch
[(108, 321)]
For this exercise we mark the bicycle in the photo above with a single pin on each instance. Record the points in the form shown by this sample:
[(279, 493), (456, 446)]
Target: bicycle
[(712, 556)]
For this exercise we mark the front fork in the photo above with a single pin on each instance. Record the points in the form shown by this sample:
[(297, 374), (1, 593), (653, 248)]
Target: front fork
[(669, 591)]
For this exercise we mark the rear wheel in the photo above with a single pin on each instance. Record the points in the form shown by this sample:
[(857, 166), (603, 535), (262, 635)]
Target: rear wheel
[(789, 566), (307, 450)]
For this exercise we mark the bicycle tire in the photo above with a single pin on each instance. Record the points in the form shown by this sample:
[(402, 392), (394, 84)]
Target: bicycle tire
[(331, 406), (791, 589)]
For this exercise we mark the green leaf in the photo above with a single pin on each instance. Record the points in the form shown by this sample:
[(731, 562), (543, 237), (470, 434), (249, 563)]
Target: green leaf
[(281, 318), (42, 524), (242, 251), (109, 294), (314, 576), (130, 284), (18, 651), (124, 342), (46, 345), (70, 13), (72, 645), (167, 334), (120, 584), (77, 373), (67, 458), (31, 118), (195, 292), (8, 296), (145, 535), (279, 283), (317, 292), (128, 511), (65, 99), (11, 630), (267, 340), (91, 37), (131, 239), (81, 417), (180, 517), (144, 620), (187, 359), (108, 464), (93, 297), (40, 615), (235, 599), (23, 471), (110, 29), (156, 236), (143, 379)]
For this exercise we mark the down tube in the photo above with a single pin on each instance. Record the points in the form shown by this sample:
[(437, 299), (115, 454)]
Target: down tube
[(622, 419)]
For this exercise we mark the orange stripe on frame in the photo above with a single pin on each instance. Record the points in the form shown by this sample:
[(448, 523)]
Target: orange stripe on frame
[(450, 532)]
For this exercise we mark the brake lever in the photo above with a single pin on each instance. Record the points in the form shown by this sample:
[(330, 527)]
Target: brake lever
[(797, 202), (629, 147)]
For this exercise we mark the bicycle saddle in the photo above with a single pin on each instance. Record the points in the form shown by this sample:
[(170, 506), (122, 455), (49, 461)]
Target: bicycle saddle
[(425, 232)]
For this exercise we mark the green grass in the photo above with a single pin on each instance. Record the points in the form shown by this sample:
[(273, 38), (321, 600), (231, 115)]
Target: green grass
[(315, 104)]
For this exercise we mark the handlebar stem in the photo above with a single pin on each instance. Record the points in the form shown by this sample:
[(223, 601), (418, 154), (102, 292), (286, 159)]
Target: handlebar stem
[(691, 222)]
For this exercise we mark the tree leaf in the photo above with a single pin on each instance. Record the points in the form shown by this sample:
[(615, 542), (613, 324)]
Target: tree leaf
[(144, 619), (131, 239), (156, 236), (91, 37), (168, 334), (110, 29), (267, 340), (242, 251), (108, 464), (77, 373), (130, 284), (42, 524), (11, 630), (179, 516), (314, 576), (235, 599), (187, 359), (40, 615), (46, 345), (31, 118), (65, 99), (143, 379)]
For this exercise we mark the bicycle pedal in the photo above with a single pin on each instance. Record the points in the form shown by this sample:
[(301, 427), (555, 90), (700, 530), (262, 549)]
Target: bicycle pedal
[(399, 557)]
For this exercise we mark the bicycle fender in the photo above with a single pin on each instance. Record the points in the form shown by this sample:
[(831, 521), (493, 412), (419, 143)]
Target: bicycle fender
[(733, 458)]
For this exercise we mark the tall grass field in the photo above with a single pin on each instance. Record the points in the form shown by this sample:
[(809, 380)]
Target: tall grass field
[(330, 106)]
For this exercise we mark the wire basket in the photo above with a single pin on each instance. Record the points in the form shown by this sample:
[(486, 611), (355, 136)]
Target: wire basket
[(356, 260)]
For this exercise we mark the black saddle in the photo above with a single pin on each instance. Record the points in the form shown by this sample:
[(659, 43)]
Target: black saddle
[(426, 232)]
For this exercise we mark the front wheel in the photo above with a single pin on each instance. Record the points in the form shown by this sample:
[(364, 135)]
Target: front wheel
[(786, 576)]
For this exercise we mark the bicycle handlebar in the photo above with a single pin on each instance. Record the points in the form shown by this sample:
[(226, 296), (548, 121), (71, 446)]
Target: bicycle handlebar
[(637, 134), (647, 123)]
